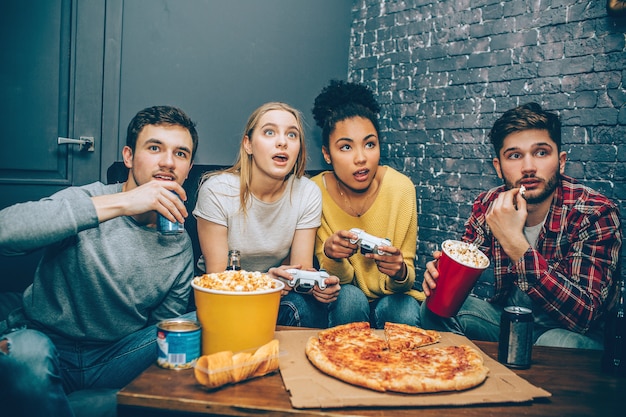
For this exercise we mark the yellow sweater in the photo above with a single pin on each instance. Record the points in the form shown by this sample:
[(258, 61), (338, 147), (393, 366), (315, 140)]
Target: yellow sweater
[(393, 215)]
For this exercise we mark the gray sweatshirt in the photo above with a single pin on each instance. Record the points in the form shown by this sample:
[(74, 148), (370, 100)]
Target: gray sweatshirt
[(96, 281)]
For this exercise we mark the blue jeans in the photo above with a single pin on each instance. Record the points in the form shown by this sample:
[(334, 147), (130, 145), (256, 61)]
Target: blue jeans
[(353, 306), (40, 370), (480, 320), (302, 310), (31, 380)]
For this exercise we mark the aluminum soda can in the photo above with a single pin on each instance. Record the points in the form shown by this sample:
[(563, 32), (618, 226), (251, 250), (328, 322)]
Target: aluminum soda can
[(178, 342), (516, 337), (166, 227)]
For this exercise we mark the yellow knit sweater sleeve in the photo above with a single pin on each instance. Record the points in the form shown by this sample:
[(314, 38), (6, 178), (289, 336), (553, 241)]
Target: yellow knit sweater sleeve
[(393, 215)]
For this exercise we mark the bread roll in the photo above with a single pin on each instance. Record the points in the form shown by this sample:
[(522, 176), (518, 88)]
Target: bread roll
[(223, 368)]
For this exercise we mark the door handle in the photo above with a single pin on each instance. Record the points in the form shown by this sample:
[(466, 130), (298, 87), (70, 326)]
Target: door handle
[(86, 142)]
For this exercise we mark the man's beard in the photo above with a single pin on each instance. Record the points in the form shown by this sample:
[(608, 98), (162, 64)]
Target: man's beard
[(550, 186)]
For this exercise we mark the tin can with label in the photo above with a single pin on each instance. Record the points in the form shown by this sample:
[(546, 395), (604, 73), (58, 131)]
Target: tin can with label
[(178, 342), (167, 227), (516, 337)]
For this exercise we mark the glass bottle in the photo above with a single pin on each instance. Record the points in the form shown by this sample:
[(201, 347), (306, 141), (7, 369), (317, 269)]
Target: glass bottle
[(614, 355), (234, 260)]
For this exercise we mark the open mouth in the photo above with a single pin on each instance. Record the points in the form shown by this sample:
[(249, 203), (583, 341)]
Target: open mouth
[(281, 158), (165, 177), (361, 175)]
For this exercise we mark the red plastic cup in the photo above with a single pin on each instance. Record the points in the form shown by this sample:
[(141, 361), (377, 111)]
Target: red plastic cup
[(457, 275)]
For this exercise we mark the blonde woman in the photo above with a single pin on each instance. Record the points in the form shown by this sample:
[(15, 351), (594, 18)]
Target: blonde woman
[(267, 209)]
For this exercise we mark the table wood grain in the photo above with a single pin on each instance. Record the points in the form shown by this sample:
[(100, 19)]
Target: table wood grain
[(573, 377)]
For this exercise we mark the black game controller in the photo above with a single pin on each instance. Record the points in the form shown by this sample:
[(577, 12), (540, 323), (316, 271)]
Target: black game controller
[(304, 281), (369, 243)]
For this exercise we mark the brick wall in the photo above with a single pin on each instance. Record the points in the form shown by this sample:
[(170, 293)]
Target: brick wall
[(444, 71)]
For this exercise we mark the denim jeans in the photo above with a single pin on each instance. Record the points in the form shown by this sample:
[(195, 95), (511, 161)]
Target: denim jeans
[(480, 320), (31, 381), (40, 370), (302, 310), (352, 306)]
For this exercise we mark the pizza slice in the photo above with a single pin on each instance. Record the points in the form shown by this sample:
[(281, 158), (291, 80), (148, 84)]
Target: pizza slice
[(349, 365), (352, 335), (402, 337), (438, 369)]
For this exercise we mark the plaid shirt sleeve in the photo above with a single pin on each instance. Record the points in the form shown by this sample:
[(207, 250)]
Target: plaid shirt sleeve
[(571, 274)]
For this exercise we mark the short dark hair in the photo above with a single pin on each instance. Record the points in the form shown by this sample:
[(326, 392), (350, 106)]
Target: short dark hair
[(525, 117), (160, 115)]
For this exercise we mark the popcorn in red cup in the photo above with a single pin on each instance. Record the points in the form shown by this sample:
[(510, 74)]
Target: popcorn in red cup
[(459, 267)]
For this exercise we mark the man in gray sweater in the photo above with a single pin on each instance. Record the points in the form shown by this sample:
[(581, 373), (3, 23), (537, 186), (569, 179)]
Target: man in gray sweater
[(107, 275)]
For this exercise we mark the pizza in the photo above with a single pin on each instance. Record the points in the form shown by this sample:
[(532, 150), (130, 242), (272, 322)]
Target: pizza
[(403, 361)]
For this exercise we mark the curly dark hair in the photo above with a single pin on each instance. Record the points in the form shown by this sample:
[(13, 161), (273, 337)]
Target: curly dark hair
[(342, 100)]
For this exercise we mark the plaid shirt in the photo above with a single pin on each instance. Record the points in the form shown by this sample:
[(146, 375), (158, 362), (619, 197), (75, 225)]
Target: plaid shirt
[(571, 272)]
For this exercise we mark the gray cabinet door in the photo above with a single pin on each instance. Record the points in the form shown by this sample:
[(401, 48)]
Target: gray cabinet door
[(51, 76), (77, 68)]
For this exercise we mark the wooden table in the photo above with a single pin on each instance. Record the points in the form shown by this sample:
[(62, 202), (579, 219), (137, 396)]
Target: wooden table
[(572, 376)]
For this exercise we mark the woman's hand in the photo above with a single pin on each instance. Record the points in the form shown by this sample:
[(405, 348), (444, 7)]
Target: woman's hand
[(327, 295), (338, 245), (391, 263), (281, 273), (330, 293)]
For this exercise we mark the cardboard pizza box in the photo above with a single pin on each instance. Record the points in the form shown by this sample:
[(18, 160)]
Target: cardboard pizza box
[(310, 388)]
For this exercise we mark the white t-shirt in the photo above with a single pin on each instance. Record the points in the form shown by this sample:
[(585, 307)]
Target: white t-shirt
[(264, 235), (532, 232)]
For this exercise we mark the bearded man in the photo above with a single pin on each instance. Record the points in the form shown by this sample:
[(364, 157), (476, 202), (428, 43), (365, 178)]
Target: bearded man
[(554, 244)]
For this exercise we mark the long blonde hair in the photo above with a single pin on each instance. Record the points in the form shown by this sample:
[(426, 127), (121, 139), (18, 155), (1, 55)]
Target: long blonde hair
[(243, 164)]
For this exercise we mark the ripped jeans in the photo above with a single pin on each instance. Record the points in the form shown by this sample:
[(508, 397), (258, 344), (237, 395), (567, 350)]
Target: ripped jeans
[(30, 376), (40, 370)]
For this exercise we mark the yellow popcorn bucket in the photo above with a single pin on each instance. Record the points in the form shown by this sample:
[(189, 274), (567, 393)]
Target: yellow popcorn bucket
[(236, 320)]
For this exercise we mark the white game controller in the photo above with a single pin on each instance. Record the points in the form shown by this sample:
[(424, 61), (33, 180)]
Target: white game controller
[(304, 281), (369, 243)]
